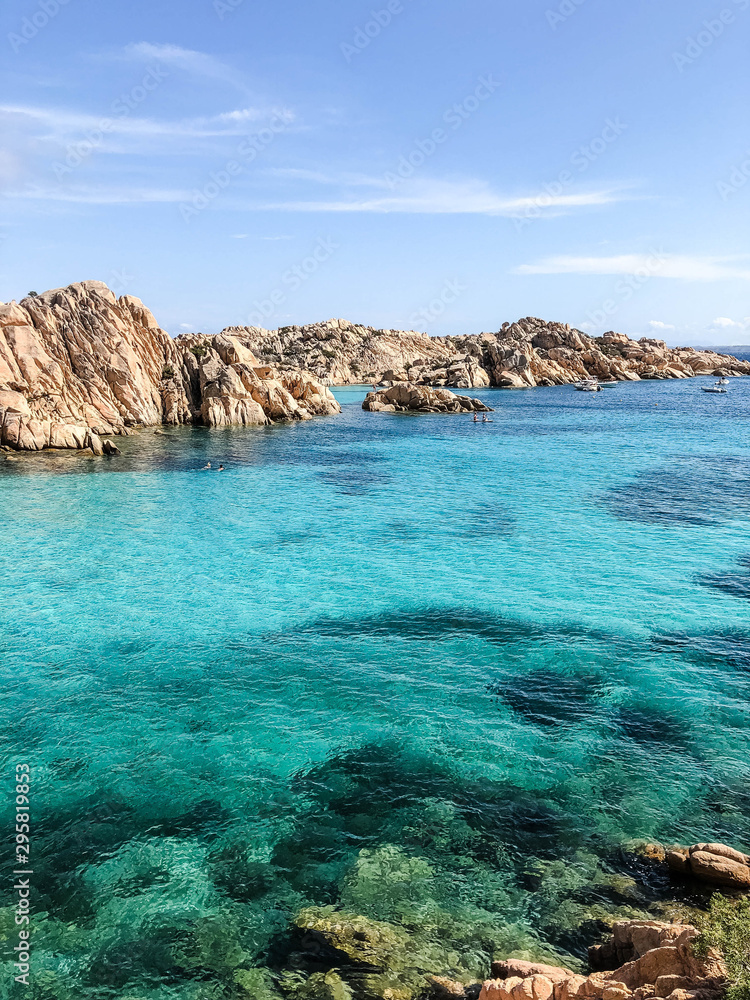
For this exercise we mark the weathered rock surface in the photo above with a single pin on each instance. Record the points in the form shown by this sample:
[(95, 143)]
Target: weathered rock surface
[(78, 363), (405, 397), (528, 353), (648, 960), (714, 863)]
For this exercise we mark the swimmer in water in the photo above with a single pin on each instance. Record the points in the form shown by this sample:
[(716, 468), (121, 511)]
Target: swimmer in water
[(220, 469), (206, 466)]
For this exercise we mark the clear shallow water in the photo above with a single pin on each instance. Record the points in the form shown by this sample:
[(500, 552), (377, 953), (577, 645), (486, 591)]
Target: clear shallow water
[(430, 672)]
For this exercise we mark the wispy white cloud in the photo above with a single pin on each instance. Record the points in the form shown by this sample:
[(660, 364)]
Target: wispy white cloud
[(672, 266), (59, 125), (188, 61), (724, 323), (424, 197), (431, 197), (90, 195), (657, 324)]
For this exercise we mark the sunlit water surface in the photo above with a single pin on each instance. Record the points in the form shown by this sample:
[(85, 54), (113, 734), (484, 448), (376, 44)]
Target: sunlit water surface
[(429, 672)]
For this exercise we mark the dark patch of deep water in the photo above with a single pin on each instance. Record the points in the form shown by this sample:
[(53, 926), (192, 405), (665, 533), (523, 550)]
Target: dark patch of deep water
[(429, 673)]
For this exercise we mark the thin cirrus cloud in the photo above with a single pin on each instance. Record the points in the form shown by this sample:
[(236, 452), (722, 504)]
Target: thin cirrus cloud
[(92, 195), (189, 61), (662, 265), (55, 124), (443, 198), (424, 197)]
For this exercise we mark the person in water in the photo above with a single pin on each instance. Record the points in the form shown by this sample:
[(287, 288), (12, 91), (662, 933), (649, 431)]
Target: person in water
[(206, 466), (220, 469)]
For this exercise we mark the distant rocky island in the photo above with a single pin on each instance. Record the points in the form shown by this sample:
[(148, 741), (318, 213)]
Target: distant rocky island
[(521, 355), (78, 365)]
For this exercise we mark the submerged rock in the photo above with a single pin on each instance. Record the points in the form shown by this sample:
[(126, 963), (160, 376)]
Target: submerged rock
[(405, 397)]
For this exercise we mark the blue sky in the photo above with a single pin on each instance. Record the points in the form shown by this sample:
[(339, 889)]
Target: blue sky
[(404, 164)]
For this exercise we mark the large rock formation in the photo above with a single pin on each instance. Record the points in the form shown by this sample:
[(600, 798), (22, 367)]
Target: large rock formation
[(340, 353), (403, 397), (528, 353), (647, 959), (714, 863), (77, 363)]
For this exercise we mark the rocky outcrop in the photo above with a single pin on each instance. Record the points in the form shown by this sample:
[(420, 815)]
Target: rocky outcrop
[(404, 397), (643, 960), (521, 355), (339, 352), (77, 363), (648, 960), (716, 864)]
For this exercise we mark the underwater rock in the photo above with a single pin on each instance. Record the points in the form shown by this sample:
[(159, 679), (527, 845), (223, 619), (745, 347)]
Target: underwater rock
[(445, 989), (405, 397), (354, 940)]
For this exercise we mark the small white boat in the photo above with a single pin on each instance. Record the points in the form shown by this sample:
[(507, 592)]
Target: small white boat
[(717, 387), (723, 380), (609, 384), (588, 385)]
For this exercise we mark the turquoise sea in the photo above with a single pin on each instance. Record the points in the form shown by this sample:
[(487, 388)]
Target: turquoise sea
[(431, 673)]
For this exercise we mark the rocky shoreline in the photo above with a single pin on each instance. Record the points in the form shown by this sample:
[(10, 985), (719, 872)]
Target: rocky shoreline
[(525, 354), (343, 956), (78, 365)]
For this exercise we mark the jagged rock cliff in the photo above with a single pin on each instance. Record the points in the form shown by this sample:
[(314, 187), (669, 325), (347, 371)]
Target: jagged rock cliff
[(527, 353), (77, 363)]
